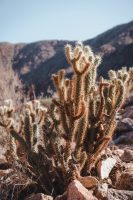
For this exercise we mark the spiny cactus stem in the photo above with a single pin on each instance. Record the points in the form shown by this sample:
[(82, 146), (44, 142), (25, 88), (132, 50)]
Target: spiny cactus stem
[(80, 72), (78, 91), (67, 150), (64, 120), (102, 102), (78, 57), (59, 156), (19, 138), (81, 111), (83, 160), (63, 115), (28, 130)]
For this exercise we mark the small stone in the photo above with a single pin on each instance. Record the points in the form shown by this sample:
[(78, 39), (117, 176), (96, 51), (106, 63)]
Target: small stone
[(62, 197), (127, 156), (124, 138), (76, 191), (88, 181), (125, 182), (39, 196), (125, 124), (128, 112), (101, 191), (114, 194), (118, 152), (104, 167)]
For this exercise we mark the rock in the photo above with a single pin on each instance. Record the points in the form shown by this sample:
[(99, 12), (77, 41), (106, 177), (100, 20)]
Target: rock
[(128, 112), (124, 138), (129, 166), (114, 194), (125, 182), (106, 152), (39, 196), (124, 125), (62, 197), (127, 156), (101, 191), (116, 173), (88, 181), (118, 152), (104, 167), (76, 191)]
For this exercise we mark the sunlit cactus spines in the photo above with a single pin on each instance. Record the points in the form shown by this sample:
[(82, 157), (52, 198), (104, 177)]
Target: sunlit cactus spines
[(65, 141)]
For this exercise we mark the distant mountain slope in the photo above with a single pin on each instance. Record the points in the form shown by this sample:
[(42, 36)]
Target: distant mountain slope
[(35, 62)]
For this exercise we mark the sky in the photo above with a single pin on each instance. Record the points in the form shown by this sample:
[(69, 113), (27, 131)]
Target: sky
[(34, 20)]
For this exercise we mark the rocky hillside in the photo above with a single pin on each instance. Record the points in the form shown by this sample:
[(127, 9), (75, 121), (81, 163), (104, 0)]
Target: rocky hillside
[(35, 62)]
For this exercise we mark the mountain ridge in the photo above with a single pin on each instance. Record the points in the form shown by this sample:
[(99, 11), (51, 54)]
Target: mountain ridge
[(36, 61)]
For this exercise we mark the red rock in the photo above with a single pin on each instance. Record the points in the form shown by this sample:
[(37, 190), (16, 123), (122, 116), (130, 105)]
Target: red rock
[(88, 181), (76, 191)]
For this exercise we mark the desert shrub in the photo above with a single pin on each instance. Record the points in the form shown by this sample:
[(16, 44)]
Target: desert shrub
[(10, 88), (64, 141)]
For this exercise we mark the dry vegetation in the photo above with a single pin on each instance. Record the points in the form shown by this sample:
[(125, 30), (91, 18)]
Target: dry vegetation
[(10, 85)]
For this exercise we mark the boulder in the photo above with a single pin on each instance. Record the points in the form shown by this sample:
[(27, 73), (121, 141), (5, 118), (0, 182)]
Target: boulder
[(76, 191)]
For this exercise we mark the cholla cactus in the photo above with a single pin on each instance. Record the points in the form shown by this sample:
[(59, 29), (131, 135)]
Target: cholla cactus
[(66, 141)]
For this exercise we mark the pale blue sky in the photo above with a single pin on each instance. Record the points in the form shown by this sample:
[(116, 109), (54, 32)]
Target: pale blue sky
[(33, 20)]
